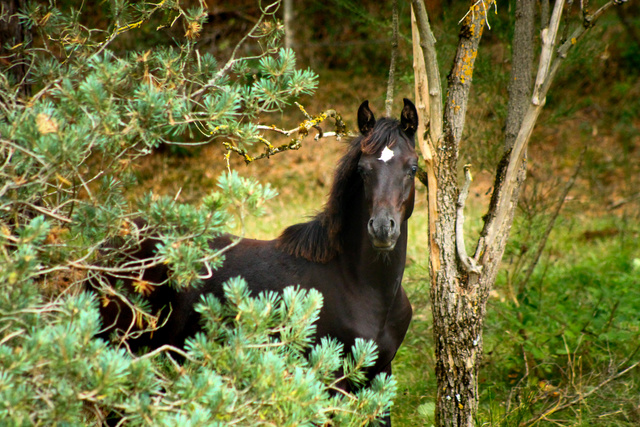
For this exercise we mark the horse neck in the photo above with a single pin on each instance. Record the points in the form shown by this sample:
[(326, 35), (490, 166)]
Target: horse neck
[(381, 271)]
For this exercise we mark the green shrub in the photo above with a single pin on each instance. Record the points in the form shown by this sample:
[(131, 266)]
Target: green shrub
[(70, 137)]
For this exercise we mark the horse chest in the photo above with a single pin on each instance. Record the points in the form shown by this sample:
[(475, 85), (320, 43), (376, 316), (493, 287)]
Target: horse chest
[(368, 315)]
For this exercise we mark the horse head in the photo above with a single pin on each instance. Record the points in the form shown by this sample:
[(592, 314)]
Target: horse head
[(388, 164)]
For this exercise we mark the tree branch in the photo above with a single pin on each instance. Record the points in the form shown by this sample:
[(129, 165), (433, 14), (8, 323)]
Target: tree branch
[(302, 131), (548, 42), (505, 204), (519, 89), (426, 103), (167, 348), (434, 87), (460, 79), (520, 81)]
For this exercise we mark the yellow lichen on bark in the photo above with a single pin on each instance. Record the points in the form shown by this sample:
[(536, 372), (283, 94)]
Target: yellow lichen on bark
[(464, 70)]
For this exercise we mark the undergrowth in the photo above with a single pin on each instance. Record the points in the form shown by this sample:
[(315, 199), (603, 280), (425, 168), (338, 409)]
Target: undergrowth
[(564, 341)]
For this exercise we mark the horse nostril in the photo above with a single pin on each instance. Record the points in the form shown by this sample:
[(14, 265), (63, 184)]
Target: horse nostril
[(371, 223), (392, 224)]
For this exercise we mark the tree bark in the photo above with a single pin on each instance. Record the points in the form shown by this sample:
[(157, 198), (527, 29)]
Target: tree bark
[(457, 315), (521, 70), (429, 102)]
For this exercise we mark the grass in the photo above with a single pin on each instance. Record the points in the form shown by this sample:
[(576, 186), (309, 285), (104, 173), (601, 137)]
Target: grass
[(573, 329)]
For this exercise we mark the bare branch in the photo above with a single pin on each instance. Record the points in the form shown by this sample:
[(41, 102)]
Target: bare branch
[(548, 42), (302, 131), (24, 150), (44, 211), (426, 135), (505, 204), (428, 47), (167, 348)]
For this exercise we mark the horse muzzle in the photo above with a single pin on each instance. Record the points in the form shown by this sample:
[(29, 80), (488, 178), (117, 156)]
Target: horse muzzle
[(383, 232)]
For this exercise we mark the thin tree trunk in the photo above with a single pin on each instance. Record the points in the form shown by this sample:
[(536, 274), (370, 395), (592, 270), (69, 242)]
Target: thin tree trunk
[(394, 54), (288, 19), (521, 70)]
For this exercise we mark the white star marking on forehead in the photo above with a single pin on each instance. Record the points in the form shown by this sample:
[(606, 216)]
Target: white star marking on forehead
[(386, 154)]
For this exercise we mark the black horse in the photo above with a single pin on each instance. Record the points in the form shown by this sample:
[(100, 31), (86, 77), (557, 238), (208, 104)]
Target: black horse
[(353, 252)]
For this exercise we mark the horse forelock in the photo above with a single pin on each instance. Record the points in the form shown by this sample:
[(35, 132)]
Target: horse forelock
[(385, 134)]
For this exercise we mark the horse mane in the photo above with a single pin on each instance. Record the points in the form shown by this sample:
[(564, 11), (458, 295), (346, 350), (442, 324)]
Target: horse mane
[(319, 240)]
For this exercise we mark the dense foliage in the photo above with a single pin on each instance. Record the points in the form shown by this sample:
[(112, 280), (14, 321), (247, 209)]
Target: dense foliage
[(71, 133)]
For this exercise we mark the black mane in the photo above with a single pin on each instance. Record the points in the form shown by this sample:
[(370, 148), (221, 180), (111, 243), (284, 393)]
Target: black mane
[(319, 240)]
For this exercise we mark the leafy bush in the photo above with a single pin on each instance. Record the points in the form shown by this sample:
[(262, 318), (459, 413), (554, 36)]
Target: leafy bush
[(70, 136)]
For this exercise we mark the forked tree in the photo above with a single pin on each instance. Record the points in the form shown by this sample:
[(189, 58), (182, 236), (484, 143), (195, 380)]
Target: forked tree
[(460, 283)]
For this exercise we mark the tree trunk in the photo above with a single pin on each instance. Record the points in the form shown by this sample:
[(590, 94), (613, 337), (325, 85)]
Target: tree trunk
[(288, 19), (460, 284), (457, 307), (388, 104)]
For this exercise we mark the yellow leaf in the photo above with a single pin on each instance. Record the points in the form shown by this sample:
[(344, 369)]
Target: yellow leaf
[(46, 124)]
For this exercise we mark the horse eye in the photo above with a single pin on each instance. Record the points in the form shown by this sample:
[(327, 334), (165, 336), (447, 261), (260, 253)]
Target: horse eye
[(414, 169)]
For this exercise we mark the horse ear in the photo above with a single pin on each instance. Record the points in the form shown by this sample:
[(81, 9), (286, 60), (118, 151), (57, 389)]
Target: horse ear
[(409, 118), (366, 119)]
